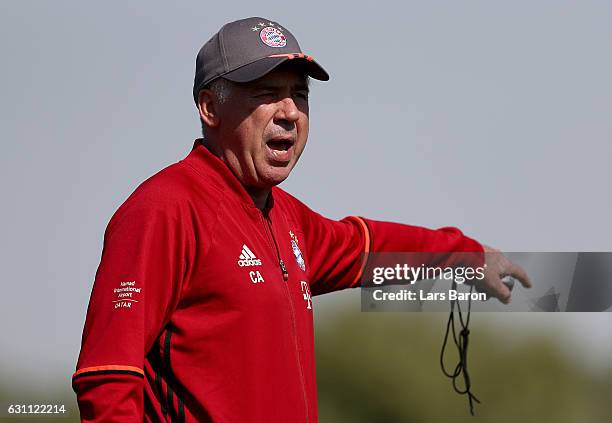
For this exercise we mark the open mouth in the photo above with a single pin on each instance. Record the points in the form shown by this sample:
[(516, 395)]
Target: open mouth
[(280, 144), (280, 150)]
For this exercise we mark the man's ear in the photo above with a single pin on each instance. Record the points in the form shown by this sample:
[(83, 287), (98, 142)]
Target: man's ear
[(208, 107)]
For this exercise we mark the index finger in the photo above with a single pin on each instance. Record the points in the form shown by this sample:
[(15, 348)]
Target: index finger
[(519, 273)]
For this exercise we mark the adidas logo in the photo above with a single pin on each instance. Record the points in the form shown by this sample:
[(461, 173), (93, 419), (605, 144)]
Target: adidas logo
[(247, 258)]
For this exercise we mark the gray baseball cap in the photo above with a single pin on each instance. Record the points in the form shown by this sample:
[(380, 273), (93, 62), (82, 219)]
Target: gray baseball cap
[(246, 50)]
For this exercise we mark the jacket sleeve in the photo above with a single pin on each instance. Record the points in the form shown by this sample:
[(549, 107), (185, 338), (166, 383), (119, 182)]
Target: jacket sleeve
[(338, 250), (137, 285)]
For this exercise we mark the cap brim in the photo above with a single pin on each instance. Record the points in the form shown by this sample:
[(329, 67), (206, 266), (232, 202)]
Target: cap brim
[(262, 67)]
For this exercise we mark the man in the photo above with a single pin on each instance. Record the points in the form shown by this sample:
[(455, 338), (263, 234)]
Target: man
[(202, 305)]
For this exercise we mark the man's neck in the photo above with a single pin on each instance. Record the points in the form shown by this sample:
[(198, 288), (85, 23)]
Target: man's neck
[(259, 196)]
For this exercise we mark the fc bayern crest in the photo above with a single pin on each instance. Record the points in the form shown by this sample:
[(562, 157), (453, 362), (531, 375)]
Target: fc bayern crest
[(296, 252), (273, 37)]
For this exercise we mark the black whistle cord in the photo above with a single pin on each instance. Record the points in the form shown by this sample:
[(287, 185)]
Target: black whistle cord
[(461, 343)]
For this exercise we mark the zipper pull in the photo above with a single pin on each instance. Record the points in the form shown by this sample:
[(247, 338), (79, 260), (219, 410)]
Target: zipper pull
[(284, 269)]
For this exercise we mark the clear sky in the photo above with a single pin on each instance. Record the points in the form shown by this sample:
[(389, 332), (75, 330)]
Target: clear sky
[(495, 117)]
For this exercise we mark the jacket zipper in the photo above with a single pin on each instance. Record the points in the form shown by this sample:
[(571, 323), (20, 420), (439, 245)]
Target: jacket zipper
[(281, 263), (268, 227)]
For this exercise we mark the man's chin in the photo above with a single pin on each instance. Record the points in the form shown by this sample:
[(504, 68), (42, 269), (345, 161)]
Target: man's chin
[(274, 176), (273, 181)]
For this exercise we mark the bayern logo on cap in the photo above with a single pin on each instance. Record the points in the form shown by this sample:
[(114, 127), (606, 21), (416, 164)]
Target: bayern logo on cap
[(273, 37)]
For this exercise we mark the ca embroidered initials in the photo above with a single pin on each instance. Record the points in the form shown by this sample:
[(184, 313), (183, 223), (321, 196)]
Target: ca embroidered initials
[(306, 294), (256, 277)]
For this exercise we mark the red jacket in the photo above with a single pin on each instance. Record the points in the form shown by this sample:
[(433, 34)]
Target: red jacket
[(201, 308)]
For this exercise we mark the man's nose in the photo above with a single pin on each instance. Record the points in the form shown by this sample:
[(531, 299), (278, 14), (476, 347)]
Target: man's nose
[(287, 110)]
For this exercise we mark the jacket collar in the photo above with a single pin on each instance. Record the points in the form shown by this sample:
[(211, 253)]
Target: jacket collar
[(217, 172)]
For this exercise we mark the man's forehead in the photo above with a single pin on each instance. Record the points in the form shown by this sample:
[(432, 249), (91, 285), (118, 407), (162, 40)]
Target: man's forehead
[(283, 75)]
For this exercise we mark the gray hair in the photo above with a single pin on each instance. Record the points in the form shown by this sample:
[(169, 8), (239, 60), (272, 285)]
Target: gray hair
[(222, 88)]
